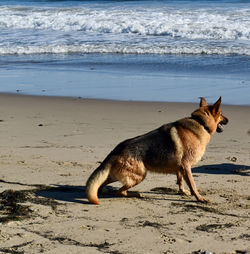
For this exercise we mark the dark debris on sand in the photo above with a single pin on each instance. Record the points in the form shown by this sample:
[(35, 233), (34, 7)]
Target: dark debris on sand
[(13, 207)]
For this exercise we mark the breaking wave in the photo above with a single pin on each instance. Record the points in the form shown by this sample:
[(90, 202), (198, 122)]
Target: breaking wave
[(37, 30)]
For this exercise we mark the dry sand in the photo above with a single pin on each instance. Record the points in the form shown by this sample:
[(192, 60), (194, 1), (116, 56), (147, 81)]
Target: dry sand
[(49, 147)]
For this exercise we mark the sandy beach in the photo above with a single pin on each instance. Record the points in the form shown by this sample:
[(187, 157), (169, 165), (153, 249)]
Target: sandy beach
[(49, 147)]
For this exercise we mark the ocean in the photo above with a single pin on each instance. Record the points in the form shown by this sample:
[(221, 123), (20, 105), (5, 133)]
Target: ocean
[(158, 50)]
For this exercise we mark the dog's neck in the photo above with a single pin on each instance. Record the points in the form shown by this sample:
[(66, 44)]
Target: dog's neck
[(201, 122)]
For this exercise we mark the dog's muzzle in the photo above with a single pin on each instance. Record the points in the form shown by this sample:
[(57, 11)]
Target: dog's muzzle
[(220, 127)]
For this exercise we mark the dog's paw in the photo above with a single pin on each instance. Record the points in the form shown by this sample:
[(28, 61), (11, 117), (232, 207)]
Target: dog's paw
[(135, 194), (185, 192), (141, 195), (204, 200)]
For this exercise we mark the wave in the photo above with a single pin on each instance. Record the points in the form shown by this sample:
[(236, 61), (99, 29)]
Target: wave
[(140, 30), (215, 24), (120, 49)]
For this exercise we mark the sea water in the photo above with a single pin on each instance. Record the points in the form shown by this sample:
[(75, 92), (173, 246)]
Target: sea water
[(158, 50)]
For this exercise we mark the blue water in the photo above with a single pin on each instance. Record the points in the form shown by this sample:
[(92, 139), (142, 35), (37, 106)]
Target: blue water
[(127, 50)]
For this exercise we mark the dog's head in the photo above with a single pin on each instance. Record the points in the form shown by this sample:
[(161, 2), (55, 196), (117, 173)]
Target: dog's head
[(210, 116)]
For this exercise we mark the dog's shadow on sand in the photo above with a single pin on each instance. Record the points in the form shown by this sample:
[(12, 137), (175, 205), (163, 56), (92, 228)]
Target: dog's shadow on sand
[(76, 194), (223, 169), (65, 193), (70, 193)]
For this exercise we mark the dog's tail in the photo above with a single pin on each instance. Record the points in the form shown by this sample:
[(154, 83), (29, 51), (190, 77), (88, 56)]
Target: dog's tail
[(96, 179)]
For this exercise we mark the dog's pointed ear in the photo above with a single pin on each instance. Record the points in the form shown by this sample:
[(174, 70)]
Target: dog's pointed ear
[(216, 105), (203, 102)]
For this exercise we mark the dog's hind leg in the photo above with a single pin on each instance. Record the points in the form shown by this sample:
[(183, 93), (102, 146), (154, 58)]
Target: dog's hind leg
[(130, 181), (129, 172), (123, 191), (107, 181), (191, 184), (180, 182)]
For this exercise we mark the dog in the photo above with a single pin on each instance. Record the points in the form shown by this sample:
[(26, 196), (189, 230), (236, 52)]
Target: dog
[(173, 148)]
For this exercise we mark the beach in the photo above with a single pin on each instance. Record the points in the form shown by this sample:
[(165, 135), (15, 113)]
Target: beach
[(79, 77), (50, 146)]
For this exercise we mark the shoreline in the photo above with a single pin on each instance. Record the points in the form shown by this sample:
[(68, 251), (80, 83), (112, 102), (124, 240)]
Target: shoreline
[(50, 146), (110, 100), (139, 78)]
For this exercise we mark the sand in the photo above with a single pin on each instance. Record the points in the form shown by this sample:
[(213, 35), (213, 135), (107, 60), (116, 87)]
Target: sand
[(49, 147)]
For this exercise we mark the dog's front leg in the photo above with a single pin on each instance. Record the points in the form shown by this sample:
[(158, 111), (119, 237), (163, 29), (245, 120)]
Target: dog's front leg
[(191, 184), (180, 182)]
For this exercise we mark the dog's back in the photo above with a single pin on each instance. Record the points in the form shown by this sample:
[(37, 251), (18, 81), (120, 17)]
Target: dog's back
[(152, 148)]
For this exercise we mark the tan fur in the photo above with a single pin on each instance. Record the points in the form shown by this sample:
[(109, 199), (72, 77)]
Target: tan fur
[(95, 181), (171, 149)]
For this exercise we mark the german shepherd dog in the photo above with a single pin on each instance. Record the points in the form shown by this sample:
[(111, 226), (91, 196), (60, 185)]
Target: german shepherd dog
[(171, 149)]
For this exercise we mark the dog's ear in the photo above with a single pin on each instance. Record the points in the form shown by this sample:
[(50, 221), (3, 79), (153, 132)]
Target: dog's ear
[(203, 102), (216, 105)]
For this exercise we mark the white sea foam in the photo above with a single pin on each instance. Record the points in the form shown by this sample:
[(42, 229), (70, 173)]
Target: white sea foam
[(156, 31), (119, 49), (192, 24)]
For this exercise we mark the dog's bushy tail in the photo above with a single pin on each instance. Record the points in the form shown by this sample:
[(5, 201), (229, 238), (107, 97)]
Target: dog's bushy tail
[(96, 179)]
